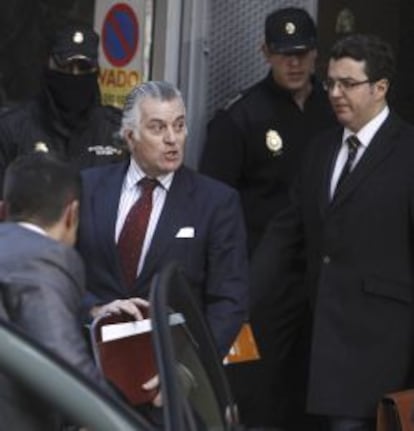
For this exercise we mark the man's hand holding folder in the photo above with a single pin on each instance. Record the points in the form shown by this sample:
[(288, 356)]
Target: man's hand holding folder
[(123, 350), (134, 307), (126, 358)]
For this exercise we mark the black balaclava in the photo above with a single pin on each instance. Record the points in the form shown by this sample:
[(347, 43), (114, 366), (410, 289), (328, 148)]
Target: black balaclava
[(72, 93)]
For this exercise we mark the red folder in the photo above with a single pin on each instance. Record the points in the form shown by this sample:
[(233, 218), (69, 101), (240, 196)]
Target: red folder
[(127, 362)]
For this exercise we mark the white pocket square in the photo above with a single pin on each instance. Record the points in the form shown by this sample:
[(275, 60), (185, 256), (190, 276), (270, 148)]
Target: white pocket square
[(186, 232)]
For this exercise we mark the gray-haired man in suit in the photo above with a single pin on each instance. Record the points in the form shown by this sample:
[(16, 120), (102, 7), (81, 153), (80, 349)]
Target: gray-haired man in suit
[(195, 221)]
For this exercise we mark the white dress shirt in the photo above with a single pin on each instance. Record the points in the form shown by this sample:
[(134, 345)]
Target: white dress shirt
[(365, 136), (33, 227), (130, 192)]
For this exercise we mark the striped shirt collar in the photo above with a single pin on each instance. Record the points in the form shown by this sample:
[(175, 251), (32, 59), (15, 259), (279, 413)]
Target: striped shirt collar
[(136, 174)]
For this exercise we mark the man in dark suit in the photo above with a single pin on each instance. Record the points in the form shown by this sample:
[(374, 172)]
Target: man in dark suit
[(191, 219), (41, 276), (348, 238)]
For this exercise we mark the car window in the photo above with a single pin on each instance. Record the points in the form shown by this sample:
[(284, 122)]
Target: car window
[(195, 392), (195, 366), (33, 379)]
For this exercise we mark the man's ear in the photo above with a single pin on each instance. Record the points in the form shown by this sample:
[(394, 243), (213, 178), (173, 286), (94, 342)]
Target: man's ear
[(265, 50), (68, 224), (71, 215), (130, 138), (382, 87)]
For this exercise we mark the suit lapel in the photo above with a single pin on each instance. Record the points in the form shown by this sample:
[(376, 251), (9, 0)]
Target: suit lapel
[(380, 146), (105, 202), (327, 165), (173, 216)]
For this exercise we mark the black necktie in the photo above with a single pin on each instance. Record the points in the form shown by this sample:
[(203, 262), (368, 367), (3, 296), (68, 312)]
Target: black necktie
[(353, 145), (133, 231)]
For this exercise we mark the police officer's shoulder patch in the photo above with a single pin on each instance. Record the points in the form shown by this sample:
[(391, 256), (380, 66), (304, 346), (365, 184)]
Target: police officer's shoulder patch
[(233, 100), (239, 96)]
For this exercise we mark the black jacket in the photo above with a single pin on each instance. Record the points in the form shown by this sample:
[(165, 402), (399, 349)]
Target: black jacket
[(236, 150), (38, 125), (358, 272)]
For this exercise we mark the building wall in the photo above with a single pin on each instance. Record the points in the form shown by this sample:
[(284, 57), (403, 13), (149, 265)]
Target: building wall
[(220, 56), (236, 32)]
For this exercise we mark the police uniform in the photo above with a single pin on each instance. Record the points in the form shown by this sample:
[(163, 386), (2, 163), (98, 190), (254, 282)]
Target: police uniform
[(85, 135), (36, 126), (256, 144)]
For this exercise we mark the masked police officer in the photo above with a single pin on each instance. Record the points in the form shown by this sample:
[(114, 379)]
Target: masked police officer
[(255, 144), (66, 119)]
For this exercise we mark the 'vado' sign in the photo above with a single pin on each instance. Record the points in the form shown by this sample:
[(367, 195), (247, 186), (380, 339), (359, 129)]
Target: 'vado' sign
[(125, 31)]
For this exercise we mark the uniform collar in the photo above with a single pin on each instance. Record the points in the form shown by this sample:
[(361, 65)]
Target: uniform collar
[(280, 91)]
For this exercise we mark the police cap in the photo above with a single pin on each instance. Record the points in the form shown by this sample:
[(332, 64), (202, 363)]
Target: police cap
[(75, 42), (290, 30)]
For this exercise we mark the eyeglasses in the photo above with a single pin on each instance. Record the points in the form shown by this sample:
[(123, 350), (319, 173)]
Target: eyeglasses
[(344, 84)]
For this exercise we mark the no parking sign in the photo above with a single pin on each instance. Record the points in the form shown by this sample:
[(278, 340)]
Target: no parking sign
[(125, 31), (120, 34)]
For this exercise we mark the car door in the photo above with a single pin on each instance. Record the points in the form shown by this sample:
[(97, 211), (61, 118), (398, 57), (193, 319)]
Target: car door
[(194, 389), (26, 365), (188, 357)]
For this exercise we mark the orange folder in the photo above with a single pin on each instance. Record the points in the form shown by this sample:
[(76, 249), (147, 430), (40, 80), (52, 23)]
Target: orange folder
[(244, 348)]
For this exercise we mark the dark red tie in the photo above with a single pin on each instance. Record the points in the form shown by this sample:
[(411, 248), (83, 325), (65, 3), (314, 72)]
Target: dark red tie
[(133, 231)]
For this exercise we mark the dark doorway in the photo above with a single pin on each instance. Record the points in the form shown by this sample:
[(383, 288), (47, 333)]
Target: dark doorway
[(404, 82), (390, 19), (24, 32)]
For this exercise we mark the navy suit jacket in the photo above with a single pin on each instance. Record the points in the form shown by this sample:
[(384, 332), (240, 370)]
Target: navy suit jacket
[(214, 260)]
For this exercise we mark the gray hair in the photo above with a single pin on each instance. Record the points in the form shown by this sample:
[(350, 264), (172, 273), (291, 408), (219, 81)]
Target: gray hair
[(161, 90)]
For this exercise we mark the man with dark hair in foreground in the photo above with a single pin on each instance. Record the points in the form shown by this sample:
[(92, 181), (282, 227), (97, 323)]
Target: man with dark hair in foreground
[(41, 276)]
